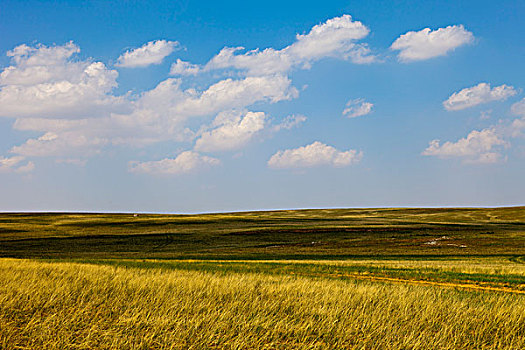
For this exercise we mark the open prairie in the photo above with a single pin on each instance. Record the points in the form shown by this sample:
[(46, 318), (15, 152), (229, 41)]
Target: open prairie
[(327, 233), (314, 279)]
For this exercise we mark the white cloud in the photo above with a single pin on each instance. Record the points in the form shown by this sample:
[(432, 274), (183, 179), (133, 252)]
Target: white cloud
[(473, 96), (185, 162), (518, 108), (89, 137), (40, 64), (268, 61), (151, 53), (79, 138), (478, 147), (47, 124), (13, 165), (357, 108), (315, 154), (230, 94), (184, 68), (70, 102), (46, 82), (290, 122), (61, 144), (233, 130), (425, 44), (487, 145), (334, 38), (157, 115), (518, 125)]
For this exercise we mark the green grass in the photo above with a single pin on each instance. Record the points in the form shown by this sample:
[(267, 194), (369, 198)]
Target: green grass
[(296, 234), (507, 273), (410, 244)]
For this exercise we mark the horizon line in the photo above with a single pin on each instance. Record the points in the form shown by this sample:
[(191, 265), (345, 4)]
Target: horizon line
[(256, 210)]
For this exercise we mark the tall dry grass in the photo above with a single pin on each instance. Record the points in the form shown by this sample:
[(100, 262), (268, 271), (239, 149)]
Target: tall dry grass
[(81, 306)]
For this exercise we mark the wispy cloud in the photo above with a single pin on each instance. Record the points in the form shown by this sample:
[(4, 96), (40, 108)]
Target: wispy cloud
[(150, 53), (185, 162), (481, 93), (357, 108), (15, 164), (334, 38), (427, 43)]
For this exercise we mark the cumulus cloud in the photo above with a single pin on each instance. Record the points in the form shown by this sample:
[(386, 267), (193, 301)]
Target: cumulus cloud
[(478, 147), (473, 96), (150, 53), (46, 82), (185, 162), (315, 154), (232, 131), (334, 38), (487, 145), (184, 68), (357, 108), (71, 102), (426, 43), (156, 115), (14, 165), (39, 64), (229, 94)]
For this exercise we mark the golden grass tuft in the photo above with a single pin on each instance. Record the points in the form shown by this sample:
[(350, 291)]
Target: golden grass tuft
[(82, 306)]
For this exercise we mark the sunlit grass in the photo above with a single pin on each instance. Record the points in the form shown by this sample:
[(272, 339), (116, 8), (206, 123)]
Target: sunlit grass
[(64, 305), (475, 272)]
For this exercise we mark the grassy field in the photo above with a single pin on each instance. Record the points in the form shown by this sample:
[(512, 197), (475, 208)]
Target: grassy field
[(311, 279), (85, 306), (331, 233)]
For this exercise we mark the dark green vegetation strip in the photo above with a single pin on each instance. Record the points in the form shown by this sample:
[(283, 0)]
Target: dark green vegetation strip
[(320, 270), (294, 234)]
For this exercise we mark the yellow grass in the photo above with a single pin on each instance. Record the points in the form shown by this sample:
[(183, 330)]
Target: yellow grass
[(82, 306)]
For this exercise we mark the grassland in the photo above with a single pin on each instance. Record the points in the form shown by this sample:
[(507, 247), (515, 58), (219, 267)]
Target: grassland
[(330, 233), (70, 305), (312, 279)]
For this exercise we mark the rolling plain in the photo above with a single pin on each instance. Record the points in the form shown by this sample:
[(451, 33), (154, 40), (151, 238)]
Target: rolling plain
[(451, 278)]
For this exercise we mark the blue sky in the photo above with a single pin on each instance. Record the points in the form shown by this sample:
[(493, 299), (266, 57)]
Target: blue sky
[(154, 106)]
